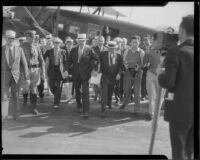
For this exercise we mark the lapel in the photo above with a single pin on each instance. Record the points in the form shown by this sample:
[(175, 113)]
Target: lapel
[(75, 54), (15, 54), (6, 55)]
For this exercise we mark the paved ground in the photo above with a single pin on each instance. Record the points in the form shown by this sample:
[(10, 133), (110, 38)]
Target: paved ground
[(63, 131)]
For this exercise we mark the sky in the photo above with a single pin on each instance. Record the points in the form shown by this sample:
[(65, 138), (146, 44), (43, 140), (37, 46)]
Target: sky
[(153, 17)]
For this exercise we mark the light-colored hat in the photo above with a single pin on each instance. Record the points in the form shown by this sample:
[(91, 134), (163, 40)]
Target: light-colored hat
[(57, 40), (22, 38), (81, 37), (112, 44), (30, 33), (10, 34), (69, 39), (118, 39), (49, 36)]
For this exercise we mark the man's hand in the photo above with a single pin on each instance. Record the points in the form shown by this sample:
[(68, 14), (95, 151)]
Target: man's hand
[(159, 70), (65, 74), (118, 77), (28, 82), (94, 73)]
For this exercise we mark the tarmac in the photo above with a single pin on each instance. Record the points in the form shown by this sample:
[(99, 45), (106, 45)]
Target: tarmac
[(63, 131)]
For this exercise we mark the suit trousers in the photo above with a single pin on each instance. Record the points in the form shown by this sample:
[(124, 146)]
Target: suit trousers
[(55, 84), (106, 94), (82, 93), (129, 81), (143, 85), (40, 88), (12, 102), (178, 134)]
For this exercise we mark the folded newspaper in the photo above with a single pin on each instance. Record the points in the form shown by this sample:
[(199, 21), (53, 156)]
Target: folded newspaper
[(95, 79)]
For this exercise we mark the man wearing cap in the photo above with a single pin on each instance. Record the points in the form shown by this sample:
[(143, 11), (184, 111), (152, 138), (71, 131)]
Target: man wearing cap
[(21, 40), (82, 59), (133, 74), (36, 65), (55, 70), (68, 81), (12, 59), (110, 65)]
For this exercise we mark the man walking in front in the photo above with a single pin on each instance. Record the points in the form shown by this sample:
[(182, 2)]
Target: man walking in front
[(12, 59), (82, 61)]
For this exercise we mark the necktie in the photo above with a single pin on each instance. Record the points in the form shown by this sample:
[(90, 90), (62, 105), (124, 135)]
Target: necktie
[(79, 54), (10, 57)]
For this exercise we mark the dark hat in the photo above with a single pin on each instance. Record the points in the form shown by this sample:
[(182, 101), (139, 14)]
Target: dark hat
[(30, 33)]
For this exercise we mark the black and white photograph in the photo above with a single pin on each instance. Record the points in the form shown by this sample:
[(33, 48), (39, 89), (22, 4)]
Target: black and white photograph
[(98, 80)]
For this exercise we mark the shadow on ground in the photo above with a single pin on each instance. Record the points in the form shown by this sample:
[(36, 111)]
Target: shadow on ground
[(66, 120)]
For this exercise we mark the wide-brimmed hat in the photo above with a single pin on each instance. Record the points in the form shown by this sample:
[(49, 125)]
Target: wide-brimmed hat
[(22, 38), (81, 37), (57, 40), (30, 33), (10, 34), (49, 36), (69, 39), (112, 44)]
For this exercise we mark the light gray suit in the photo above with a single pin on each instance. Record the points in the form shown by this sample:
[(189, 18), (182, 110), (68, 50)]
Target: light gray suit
[(10, 76)]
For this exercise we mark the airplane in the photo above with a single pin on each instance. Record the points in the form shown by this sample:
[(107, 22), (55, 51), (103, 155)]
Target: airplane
[(71, 22)]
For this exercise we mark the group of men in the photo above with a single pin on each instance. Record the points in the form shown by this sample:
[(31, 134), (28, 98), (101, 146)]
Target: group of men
[(121, 68)]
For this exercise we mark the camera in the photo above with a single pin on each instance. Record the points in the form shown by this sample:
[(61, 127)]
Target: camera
[(134, 71), (166, 40)]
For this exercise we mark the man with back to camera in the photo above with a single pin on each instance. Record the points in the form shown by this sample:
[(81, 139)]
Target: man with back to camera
[(13, 59), (82, 61), (177, 77), (133, 61)]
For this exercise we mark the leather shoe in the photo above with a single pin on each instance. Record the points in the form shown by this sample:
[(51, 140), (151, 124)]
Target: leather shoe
[(122, 106)]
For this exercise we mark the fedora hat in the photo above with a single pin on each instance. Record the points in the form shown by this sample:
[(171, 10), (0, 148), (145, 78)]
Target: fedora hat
[(22, 38), (57, 40), (69, 39), (30, 33), (10, 34), (81, 37), (112, 44)]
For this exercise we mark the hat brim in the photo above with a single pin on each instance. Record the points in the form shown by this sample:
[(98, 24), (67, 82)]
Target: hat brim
[(10, 36), (111, 47), (81, 39)]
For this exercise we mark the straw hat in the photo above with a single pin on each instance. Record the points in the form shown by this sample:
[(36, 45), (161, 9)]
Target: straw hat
[(10, 34), (112, 44), (81, 37)]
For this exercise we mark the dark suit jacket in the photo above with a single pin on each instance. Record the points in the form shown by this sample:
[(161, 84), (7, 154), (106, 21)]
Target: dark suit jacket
[(19, 61), (98, 52), (50, 54), (85, 66), (110, 72), (178, 79)]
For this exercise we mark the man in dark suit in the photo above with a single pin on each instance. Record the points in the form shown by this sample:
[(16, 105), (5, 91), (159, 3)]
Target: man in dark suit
[(82, 59), (55, 70), (12, 59), (111, 67), (177, 77), (98, 50)]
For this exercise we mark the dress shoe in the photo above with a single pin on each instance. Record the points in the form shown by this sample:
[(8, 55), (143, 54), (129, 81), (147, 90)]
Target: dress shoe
[(122, 106), (103, 115), (149, 117), (55, 106), (35, 111), (86, 115)]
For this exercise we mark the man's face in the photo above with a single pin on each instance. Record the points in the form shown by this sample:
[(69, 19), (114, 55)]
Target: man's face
[(135, 43), (69, 44), (101, 41), (82, 42), (56, 44), (10, 41), (43, 42), (181, 34), (30, 39), (147, 42)]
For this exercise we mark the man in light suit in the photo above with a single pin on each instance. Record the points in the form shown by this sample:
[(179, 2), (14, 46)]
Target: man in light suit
[(12, 59), (82, 61)]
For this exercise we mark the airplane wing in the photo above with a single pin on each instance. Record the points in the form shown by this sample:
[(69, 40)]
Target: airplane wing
[(110, 11)]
